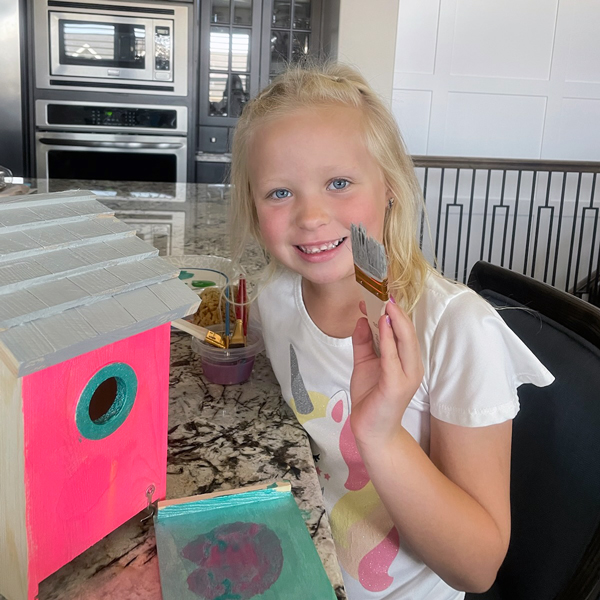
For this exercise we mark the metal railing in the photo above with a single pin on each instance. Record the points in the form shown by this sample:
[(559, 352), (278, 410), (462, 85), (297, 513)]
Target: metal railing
[(536, 217)]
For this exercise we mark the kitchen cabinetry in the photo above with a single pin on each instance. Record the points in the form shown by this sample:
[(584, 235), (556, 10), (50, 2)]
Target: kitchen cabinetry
[(243, 45)]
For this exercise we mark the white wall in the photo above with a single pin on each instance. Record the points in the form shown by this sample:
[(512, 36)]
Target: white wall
[(503, 78), (367, 40)]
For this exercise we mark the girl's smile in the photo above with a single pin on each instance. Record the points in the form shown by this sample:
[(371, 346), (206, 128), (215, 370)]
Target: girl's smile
[(320, 251), (311, 177)]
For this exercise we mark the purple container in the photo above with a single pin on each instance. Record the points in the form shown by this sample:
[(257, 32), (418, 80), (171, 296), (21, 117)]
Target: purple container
[(227, 373), (230, 366)]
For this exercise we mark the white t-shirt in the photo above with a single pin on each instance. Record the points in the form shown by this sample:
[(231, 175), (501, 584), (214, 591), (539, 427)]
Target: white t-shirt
[(473, 365)]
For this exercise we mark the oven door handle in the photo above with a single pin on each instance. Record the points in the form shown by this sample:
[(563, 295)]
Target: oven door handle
[(129, 145)]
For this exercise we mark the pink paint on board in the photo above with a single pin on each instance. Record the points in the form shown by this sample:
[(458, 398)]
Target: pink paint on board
[(235, 560), (79, 490)]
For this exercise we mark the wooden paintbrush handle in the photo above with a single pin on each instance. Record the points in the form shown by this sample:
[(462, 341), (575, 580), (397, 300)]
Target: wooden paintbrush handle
[(203, 334), (375, 309), (195, 330)]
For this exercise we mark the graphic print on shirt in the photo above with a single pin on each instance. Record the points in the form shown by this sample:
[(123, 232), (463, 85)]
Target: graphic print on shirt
[(365, 537)]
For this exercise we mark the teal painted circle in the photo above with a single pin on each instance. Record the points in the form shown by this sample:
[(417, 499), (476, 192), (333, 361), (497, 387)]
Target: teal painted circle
[(115, 416)]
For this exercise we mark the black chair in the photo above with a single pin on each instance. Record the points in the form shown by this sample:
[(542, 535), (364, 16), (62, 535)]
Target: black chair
[(554, 552)]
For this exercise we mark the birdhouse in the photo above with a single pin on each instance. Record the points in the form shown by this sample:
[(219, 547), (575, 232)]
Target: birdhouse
[(85, 312)]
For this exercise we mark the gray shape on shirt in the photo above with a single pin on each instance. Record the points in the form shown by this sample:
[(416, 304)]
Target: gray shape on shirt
[(302, 400)]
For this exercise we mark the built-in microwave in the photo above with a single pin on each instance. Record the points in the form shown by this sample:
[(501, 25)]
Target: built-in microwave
[(111, 45)]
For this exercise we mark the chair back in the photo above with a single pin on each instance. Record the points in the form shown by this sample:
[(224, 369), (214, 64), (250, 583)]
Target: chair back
[(554, 552)]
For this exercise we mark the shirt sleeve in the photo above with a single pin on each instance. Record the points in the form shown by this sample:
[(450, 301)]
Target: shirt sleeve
[(476, 365)]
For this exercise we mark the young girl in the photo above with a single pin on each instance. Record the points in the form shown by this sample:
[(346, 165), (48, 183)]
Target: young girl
[(413, 448)]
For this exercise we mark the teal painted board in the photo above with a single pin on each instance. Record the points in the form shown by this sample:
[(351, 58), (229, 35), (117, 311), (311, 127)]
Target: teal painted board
[(241, 546)]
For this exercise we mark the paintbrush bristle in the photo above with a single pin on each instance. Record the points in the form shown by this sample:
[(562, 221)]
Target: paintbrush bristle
[(238, 340), (368, 253)]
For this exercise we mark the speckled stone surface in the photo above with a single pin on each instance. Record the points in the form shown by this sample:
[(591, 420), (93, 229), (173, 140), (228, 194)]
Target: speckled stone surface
[(220, 437)]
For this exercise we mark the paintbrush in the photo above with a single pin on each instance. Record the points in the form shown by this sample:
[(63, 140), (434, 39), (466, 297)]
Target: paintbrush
[(227, 318), (244, 301), (203, 334), (370, 267), (238, 338)]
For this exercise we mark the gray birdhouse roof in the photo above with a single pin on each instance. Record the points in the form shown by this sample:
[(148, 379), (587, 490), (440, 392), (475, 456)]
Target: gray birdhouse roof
[(73, 278)]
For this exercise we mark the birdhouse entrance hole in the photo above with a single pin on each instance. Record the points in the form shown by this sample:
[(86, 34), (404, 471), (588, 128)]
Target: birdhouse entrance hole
[(106, 401), (103, 399)]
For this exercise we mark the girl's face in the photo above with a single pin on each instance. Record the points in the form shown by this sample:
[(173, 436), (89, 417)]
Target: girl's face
[(312, 176)]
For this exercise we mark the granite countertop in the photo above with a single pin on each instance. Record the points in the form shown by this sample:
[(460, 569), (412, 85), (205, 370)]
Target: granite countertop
[(220, 437)]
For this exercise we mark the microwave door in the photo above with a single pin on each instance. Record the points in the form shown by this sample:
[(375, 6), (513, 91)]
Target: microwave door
[(101, 46)]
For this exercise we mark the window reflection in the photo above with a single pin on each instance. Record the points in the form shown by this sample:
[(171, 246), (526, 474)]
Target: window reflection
[(290, 33), (240, 50), (219, 48), (216, 89), (222, 44), (239, 94), (107, 44), (228, 95), (300, 46), (87, 40), (280, 49)]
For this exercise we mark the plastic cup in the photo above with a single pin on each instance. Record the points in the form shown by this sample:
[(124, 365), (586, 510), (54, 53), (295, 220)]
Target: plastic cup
[(5, 177), (233, 365)]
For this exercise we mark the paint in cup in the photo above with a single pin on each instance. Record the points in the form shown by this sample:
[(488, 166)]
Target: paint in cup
[(233, 365)]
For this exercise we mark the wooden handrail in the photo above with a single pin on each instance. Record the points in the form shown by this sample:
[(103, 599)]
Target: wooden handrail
[(510, 164)]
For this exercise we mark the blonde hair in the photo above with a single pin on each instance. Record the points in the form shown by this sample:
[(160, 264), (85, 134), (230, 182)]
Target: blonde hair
[(333, 84)]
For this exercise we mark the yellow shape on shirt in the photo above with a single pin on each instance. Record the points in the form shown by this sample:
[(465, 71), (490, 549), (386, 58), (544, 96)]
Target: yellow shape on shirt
[(319, 402)]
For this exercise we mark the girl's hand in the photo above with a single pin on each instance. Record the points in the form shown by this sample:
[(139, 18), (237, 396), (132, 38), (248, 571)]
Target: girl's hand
[(382, 387)]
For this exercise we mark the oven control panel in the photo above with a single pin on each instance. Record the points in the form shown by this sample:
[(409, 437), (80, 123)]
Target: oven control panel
[(111, 116), (162, 49)]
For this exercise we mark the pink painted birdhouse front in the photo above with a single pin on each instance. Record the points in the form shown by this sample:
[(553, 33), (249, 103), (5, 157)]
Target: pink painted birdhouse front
[(85, 312), (86, 470)]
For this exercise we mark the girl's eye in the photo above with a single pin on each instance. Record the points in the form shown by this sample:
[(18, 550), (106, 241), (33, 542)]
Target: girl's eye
[(338, 184), (280, 194)]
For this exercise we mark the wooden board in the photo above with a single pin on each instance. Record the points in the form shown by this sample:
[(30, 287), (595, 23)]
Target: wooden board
[(21, 274), (247, 543), (57, 296), (39, 344), (63, 252), (33, 243), (17, 217), (73, 198), (17, 244), (13, 529), (14, 307)]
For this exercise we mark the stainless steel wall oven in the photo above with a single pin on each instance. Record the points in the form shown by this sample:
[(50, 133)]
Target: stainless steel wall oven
[(112, 46), (86, 141)]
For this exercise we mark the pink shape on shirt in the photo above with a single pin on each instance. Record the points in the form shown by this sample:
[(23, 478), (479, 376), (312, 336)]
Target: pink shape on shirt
[(373, 568), (338, 412), (358, 476)]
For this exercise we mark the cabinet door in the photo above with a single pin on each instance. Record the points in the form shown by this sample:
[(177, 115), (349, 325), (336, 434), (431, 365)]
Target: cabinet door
[(291, 32), (212, 172), (229, 58)]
